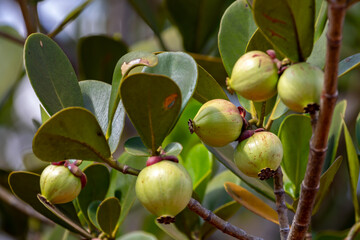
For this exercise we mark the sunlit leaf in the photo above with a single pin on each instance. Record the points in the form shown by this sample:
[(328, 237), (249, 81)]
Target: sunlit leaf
[(173, 148)]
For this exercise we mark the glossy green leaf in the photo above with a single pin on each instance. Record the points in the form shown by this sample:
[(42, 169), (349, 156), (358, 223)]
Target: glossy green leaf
[(172, 231), (98, 181), (335, 132), (349, 64), (225, 156), (173, 148), (153, 115), (236, 29), (137, 235), (213, 65), (96, 97), (288, 25), (26, 186), (10, 61), (280, 109), (181, 68), (91, 213), (122, 185), (51, 74), (357, 130), (108, 214), (353, 166), (200, 23), (69, 18), (98, 56), (325, 182), (295, 133), (321, 17), (259, 42), (251, 202), (44, 115), (207, 87), (62, 138), (136, 147), (199, 166), (122, 68), (215, 188), (52, 208), (224, 212), (317, 56)]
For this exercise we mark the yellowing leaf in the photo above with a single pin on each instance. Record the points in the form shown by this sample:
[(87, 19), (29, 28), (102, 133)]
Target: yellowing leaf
[(251, 202)]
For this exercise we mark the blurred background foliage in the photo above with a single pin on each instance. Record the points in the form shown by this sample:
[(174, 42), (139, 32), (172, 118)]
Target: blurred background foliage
[(119, 26)]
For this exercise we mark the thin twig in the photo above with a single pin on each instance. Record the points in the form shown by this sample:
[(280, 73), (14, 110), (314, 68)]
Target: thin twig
[(262, 114), (12, 38), (281, 204), (13, 201), (125, 169), (353, 231), (25, 12), (217, 222), (318, 145)]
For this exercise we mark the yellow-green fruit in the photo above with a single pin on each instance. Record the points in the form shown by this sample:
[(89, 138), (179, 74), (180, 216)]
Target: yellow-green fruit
[(254, 76), (260, 151), (59, 185), (164, 189), (217, 123), (299, 85)]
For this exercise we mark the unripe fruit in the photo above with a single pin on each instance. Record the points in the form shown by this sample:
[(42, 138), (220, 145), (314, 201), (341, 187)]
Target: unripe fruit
[(300, 85), (217, 123), (164, 189), (58, 185), (254, 76), (257, 155)]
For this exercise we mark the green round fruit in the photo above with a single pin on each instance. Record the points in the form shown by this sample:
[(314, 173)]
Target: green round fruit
[(164, 188), (261, 151), (299, 85), (254, 76), (58, 185), (217, 123)]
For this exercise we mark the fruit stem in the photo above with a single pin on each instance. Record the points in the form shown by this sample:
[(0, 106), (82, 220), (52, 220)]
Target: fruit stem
[(125, 169), (281, 208), (262, 115), (318, 142), (219, 223)]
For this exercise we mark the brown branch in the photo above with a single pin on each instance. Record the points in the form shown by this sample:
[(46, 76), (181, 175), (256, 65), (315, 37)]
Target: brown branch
[(353, 231), (12, 38), (27, 19), (280, 204), (318, 145), (217, 222), (125, 169), (13, 201)]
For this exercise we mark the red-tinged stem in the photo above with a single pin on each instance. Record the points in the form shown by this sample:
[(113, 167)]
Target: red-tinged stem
[(281, 204), (318, 145)]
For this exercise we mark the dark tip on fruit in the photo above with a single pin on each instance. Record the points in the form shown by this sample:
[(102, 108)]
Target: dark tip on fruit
[(266, 173), (191, 126), (245, 135), (153, 159), (165, 219), (312, 108), (242, 111)]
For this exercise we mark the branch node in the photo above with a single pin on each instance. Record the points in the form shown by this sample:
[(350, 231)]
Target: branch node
[(331, 96)]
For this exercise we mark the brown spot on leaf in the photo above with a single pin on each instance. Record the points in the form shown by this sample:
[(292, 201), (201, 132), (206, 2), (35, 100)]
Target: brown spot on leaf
[(273, 20), (170, 101), (273, 33)]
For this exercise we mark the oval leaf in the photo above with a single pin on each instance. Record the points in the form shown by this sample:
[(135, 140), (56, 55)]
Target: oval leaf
[(136, 147), (91, 212), (288, 25), (325, 182), (98, 56), (251, 202), (318, 53), (353, 167), (207, 87), (137, 235), (259, 42), (10, 61), (26, 186), (173, 148), (236, 28), (122, 68), (96, 97), (108, 214), (51, 74), (153, 115), (98, 181), (181, 68), (62, 138), (295, 133)]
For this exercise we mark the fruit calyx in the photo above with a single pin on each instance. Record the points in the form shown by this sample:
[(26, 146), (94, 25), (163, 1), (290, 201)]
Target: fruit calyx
[(248, 133), (312, 108), (165, 219), (266, 173), (155, 159), (74, 169)]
